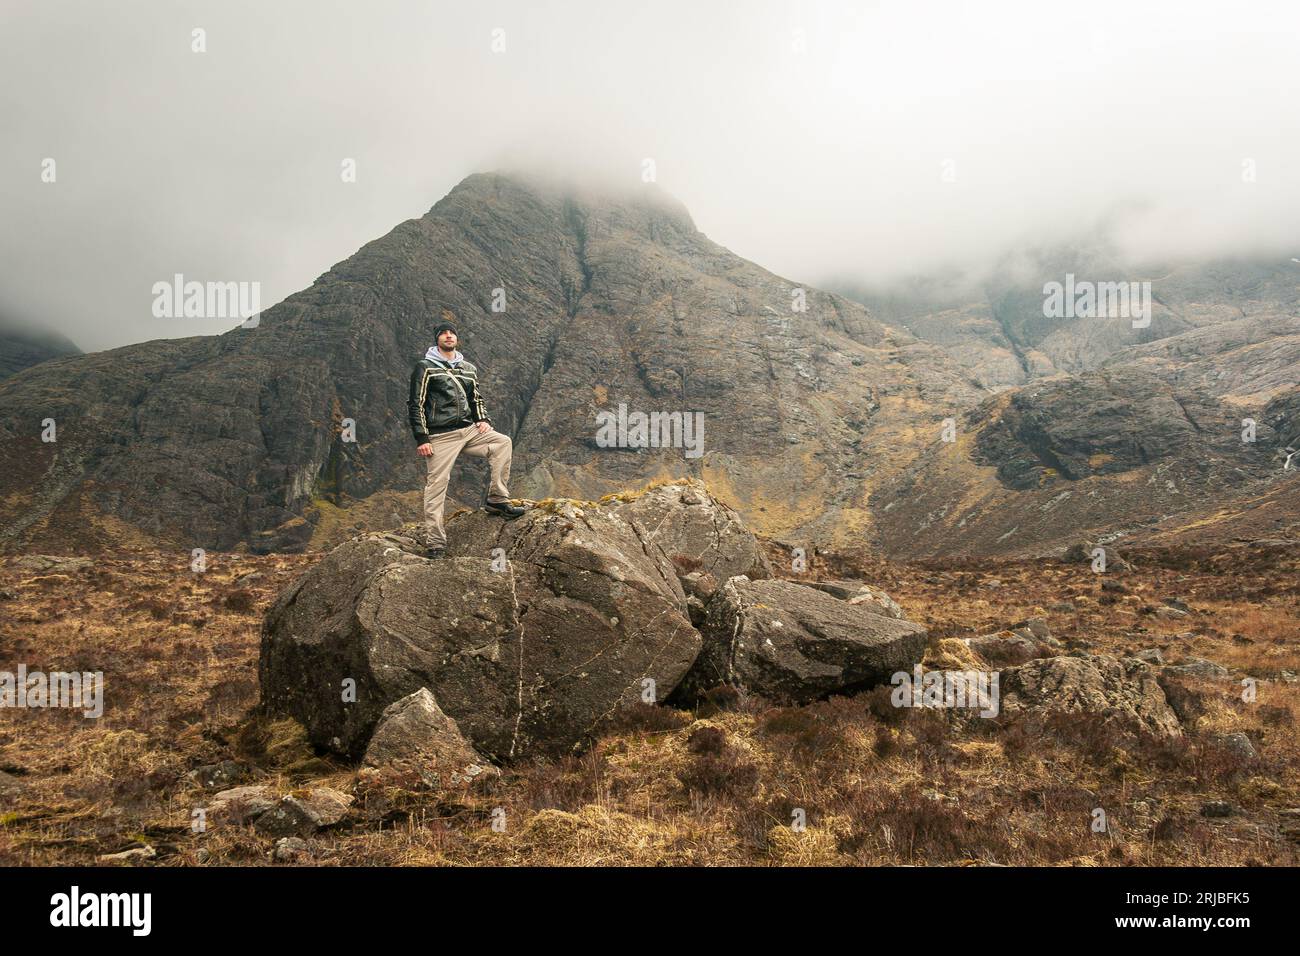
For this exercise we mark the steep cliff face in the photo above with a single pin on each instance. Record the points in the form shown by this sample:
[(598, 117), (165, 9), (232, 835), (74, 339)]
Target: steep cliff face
[(806, 401)]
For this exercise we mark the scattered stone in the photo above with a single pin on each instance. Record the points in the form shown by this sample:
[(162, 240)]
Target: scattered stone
[(242, 804), (9, 783), (875, 600), (1170, 613), (1004, 648), (289, 849), (791, 643), (1035, 626), (1151, 655), (218, 775), (1239, 745), (303, 812), (1197, 667), (1216, 808), (414, 732), (134, 855), (1113, 587), (1178, 604), (8, 594), (1062, 607)]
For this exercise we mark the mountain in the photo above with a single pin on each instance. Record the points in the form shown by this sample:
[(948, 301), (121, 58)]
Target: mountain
[(234, 440), (822, 417), (1095, 425), (22, 347)]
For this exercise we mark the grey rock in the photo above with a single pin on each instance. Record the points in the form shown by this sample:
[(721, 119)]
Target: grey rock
[(1216, 808), (1239, 746), (695, 531), (1150, 655), (1125, 688), (217, 776), (135, 855), (1004, 648), (414, 732), (242, 804), (878, 602), (1197, 667), (304, 812), (528, 659), (290, 849), (792, 643)]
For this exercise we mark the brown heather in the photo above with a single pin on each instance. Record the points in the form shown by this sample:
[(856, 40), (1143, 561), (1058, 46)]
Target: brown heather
[(718, 786)]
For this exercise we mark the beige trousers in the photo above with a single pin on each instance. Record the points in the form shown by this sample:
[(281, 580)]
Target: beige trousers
[(492, 445)]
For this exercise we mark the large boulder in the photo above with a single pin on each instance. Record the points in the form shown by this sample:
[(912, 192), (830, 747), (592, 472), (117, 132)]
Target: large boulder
[(1125, 688), (792, 643), (528, 634)]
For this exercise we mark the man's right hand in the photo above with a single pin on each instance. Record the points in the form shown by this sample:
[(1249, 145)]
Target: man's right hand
[(425, 450)]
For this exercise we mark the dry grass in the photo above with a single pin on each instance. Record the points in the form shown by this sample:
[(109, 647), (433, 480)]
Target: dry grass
[(849, 781)]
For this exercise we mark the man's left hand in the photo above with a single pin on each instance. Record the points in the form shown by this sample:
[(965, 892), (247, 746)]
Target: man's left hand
[(483, 427)]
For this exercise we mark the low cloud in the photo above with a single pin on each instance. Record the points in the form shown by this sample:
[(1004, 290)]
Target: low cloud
[(818, 139)]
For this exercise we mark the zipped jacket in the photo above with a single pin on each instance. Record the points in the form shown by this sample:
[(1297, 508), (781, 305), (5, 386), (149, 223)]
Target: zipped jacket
[(444, 397)]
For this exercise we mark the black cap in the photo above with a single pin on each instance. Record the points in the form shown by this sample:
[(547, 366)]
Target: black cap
[(444, 327)]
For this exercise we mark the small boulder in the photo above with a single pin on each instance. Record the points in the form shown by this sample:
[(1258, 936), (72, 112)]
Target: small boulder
[(217, 776), (242, 804), (1004, 648), (792, 644), (878, 602), (290, 849), (303, 812), (1239, 746), (414, 733)]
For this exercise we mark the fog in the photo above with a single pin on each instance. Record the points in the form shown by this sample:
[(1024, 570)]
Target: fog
[(853, 139)]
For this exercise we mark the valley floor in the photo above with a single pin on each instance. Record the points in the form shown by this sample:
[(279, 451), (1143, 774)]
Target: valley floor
[(722, 785)]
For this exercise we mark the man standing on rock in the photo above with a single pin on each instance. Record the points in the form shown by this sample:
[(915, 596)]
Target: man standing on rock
[(448, 417)]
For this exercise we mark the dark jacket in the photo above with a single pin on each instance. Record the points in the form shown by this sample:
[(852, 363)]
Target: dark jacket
[(444, 397)]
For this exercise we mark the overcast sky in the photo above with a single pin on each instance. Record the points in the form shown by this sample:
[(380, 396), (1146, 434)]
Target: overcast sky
[(818, 139)]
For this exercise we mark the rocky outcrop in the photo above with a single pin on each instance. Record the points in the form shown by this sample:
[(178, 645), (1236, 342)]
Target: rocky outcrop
[(791, 643), (1125, 688), (528, 634)]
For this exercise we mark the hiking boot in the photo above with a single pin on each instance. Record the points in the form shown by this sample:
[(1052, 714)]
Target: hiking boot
[(503, 508)]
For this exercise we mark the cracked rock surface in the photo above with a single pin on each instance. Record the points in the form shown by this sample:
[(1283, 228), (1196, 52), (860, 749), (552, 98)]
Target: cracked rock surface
[(527, 648), (792, 643)]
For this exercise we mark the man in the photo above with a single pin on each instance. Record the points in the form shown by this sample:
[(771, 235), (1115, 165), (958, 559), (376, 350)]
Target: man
[(448, 416)]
